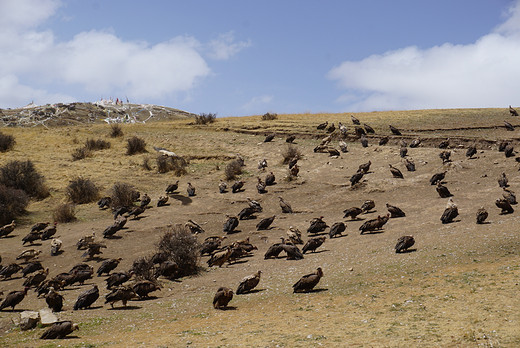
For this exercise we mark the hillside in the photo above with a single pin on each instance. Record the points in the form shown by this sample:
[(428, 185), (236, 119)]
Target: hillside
[(455, 289)]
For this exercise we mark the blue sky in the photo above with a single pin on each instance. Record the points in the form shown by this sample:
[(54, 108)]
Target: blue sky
[(242, 57)]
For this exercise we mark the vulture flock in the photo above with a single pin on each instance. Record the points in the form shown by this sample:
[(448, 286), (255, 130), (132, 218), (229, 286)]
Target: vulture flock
[(222, 249)]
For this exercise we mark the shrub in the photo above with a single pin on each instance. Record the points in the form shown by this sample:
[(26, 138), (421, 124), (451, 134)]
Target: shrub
[(290, 152), (12, 204), (135, 145), (81, 153), (205, 118), (176, 164), (146, 164), (6, 142), (98, 144), (115, 130), (64, 212), (123, 195), (23, 176), (269, 116), (181, 247), (143, 268), (233, 169), (81, 190)]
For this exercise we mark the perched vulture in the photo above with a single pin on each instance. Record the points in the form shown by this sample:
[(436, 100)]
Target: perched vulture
[(336, 229), (161, 202), (342, 129), (135, 212), (45, 286), (354, 120), (145, 200), (331, 128), (222, 187), (220, 257), (28, 254), (39, 226), (260, 186), (374, 224), (191, 190), (59, 330), (450, 213), (286, 207), (120, 211), (265, 223), (368, 129), (437, 177), (383, 141), (354, 179), (7, 229), (290, 138), (262, 164), (248, 283), (394, 130), (104, 202), (107, 266), (445, 156), (343, 146), (333, 152), (444, 144), (222, 298), (504, 204), (7, 271), (13, 298), (274, 250), (31, 267), (359, 131), (403, 151), (395, 212), (172, 187), (94, 249), (294, 235), (80, 276), (168, 269), (254, 204), (313, 244), (54, 300), (230, 224), (502, 181), (509, 126), (403, 243), (368, 205), (294, 170), (55, 246), (210, 245), (118, 224), (509, 151), (293, 162), (364, 141), (118, 278), (510, 196), (512, 111), (293, 252), (352, 212), (144, 287), (194, 227), (482, 215), (443, 190), (472, 150), (308, 281), (395, 172), (269, 137), (237, 186), (323, 125), (409, 164), (270, 179), (81, 267), (502, 145), (121, 293), (415, 143), (31, 237), (36, 279), (247, 213), (317, 225)]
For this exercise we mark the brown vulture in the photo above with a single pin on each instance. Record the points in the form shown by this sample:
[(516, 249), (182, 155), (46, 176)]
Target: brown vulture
[(482, 215), (394, 211), (168, 269), (220, 257), (28, 254), (222, 298), (60, 330), (294, 170), (144, 287), (512, 111), (396, 172), (509, 126), (36, 279), (504, 204), (437, 177), (39, 226), (44, 287), (172, 187), (510, 196), (237, 186), (364, 141), (94, 249), (286, 207), (368, 205), (118, 278), (254, 204), (394, 130), (444, 144), (472, 151), (31, 237), (161, 202), (121, 293), (247, 213), (107, 266), (323, 125), (260, 186), (210, 245), (13, 299), (409, 164), (308, 281), (222, 187), (135, 212), (368, 129), (509, 151), (7, 229), (352, 212), (230, 224), (383, 141), (331, 128), (145, 200), (359, 131), (194, 227), (274, 250), (290, 138), (270, 179), (354, 120), (269, 137), (54, 300), (294, 235), (117, 225), (190, 190), (445, 156), (313, 244), (403, 243), (374, 224), (502, 181), (293, 252), (354, 179), (317, 225), (248, 283), (265, 223), (7, 271), (336, 229), (443, 190), (31, 267), (450, 213), (403, 151), (415, 143), (502, 145), (104, 202)]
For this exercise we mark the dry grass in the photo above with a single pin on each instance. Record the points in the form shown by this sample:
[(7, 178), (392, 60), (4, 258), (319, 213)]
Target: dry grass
[(64, 212)]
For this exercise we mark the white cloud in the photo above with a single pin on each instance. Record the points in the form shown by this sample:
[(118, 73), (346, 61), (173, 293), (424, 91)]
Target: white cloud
[(225, 46), (481, 74), (258, 104)]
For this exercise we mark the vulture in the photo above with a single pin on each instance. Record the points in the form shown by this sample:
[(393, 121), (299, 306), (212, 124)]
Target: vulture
[(81, 267), (294, 235), (120, 211), (87, 298), (135, 212), (230, 224), (443, 191), (28, 254), (145, 200), (445, 156), (270, 179), (502, 181), (352, 212), (368, 205), (472, 150), (55, 246), (260, 186), (336, 229), (354, 120), (210, 245), (286, 207), (262, 164), (222, 298), (290, 138), (394, 211), (293, 162), (274, 250), (45, 286), (404, 243), (482, 215), (359, 131), (504, 204), (222, 187), (313, 244), (7, 271), (323, 125), (168, 269), (509, 151), (194, 227), (7, 229), (248, 283), (294, 170), (331, 128), (437, 178), (383, 141), (343, 130), (59, 329), (81, 275), (317, 225), (172, 187), (13, 298), (36, 279), (293, 252), (450, 213), (161, 202), (269, 137), (254, 204), (368, 129), (394, 130), (444, 144), (510, 196), (237, 186), (374, 224), (343, 146), (409, 164), (265, 223), (32, 267), (116, 226), (191, 190), (364, 141), (144, 287), (54, 300), (94, 249), (39, 226), (118, 278), (107, 266), (403, 151), (396, 172), (509, 126), (220, 257), (502, 145), (333, 152), (31, 237), (308, 281), (415, 143), (354, 179), (512, 111), (104, 202), (121, 293), (364, 167)]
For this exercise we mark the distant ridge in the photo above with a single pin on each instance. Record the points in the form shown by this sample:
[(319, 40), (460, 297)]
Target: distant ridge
[(61, 114)]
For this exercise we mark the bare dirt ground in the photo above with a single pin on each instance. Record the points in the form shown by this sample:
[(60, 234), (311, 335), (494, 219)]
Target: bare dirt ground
[(458, 288)]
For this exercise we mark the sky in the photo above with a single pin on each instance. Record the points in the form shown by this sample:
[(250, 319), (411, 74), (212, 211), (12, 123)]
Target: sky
[(239, 57)]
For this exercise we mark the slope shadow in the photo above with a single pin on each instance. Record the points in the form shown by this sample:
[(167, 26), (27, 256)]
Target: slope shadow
[(183, 199)]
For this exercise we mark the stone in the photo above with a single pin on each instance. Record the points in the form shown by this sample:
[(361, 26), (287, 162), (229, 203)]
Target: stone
[(28, 320), (47, 317)]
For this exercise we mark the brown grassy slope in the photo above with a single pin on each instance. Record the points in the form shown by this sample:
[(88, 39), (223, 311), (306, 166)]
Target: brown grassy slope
[(454, 290)]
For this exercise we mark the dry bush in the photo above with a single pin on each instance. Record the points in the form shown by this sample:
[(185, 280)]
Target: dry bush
[(205, 118), (166, 164), (291, 152), (64, 212), (23, 175), (115, 130), (81, 190), (98, 144), (146, 164), (233, 169), (135, 145), (12, 204), (182, 247), (143, 268), (269, 116), (123, 195), (6, 142), (81, 153)]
